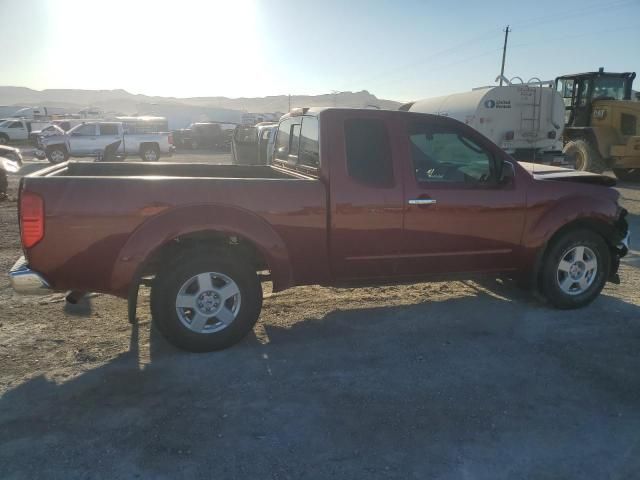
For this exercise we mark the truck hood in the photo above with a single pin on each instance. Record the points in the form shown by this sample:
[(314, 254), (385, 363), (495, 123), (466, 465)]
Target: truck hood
[(53, 139), (548, 172)]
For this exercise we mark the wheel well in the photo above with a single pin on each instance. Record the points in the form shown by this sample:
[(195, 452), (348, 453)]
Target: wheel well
[(204, 241), (61, 146), (601, 228), (149, 144), (586, 134)]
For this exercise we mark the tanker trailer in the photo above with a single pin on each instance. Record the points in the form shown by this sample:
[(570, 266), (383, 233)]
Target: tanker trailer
[(525, 120)]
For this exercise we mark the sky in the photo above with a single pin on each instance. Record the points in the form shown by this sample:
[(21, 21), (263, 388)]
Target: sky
[(399, 50)]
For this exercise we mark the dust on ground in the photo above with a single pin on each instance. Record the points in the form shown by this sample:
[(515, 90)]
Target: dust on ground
[(473, 379)]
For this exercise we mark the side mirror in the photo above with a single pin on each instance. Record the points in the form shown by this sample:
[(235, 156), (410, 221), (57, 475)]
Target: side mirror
[(507, 173)]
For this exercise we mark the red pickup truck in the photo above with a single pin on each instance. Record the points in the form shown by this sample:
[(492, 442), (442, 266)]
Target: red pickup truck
[(351, 197)]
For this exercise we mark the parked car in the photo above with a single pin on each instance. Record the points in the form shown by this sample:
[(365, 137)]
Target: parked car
[(352, 197), (10, 162), (202, 135), (253, 145), (18, 129), (91, 138), (11, 153)]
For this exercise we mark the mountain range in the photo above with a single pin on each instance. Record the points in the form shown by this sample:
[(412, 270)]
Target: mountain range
[(127, 103)]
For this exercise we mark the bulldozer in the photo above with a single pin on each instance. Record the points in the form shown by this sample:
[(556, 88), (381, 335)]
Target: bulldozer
[(601, 122)]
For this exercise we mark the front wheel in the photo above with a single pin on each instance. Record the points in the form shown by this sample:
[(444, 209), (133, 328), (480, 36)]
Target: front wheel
[(585, 157), (575, 269), (3, 139), (205, 302), (57, 154)]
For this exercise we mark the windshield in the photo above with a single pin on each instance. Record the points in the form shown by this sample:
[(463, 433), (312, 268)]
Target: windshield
[(608, 88)]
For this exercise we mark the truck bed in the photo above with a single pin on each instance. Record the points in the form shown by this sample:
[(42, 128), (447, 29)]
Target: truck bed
[(103, 219)]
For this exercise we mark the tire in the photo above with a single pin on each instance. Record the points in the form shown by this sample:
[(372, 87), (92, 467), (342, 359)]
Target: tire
[(221, 321), (149, 153), (586, 157), (627, 174), (3, 139), (564, 267), (4, 184), (57, 154)]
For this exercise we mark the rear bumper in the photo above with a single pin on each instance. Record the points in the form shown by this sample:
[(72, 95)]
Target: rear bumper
[(26, 281)]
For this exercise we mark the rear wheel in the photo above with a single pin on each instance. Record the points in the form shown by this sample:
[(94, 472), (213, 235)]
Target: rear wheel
[(585, 157), (628, 174), (57, 154), (149, 153), (206, 301), (575, 269)]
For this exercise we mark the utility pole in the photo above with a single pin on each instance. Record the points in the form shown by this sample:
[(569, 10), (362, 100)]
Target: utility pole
[(504, 52)]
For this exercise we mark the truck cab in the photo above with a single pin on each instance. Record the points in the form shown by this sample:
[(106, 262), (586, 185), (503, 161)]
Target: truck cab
[(18, 129)]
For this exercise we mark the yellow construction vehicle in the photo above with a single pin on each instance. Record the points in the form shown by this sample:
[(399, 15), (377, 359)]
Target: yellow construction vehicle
[(601, 122)]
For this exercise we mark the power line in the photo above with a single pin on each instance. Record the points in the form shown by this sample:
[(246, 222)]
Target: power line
[(485, 35), (572, 14)]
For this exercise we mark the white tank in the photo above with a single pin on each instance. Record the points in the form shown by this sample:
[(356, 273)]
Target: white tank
[(514, 117)]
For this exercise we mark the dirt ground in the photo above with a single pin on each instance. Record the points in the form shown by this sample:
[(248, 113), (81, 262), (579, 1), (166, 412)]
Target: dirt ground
[(453, 380)]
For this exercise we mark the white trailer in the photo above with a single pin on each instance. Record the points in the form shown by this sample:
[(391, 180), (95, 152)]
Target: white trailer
[(525, 120)]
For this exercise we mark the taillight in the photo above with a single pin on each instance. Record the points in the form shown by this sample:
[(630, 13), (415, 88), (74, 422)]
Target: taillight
[(171, 139), (31, 219)]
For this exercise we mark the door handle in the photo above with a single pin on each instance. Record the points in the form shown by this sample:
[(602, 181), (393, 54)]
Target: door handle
[(422, 201)]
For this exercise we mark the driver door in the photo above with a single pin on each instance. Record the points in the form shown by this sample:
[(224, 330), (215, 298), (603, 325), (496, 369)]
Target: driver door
[(82, 140), (457, 217)]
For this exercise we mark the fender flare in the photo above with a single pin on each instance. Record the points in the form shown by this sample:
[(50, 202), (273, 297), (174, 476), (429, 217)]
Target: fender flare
[(582, 209), (170, 224), (567, 211)]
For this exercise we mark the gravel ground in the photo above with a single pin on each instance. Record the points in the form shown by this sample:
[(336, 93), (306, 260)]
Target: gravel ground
[(451, 380)]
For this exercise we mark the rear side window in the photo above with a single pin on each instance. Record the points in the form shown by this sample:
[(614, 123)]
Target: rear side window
[(309, 148), (108, 129), (288, 139), (294, 140), (282, 140), (368, 151)]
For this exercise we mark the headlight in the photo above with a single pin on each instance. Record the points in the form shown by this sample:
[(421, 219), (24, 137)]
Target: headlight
[(599, 113)]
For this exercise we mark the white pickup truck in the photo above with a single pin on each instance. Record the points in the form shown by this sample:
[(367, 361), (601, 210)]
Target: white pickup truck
[(91, 138), (18, 129)]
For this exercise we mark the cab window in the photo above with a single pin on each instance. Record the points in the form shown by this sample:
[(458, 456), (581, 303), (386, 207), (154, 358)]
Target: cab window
[(446, 156), (84, 131)]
